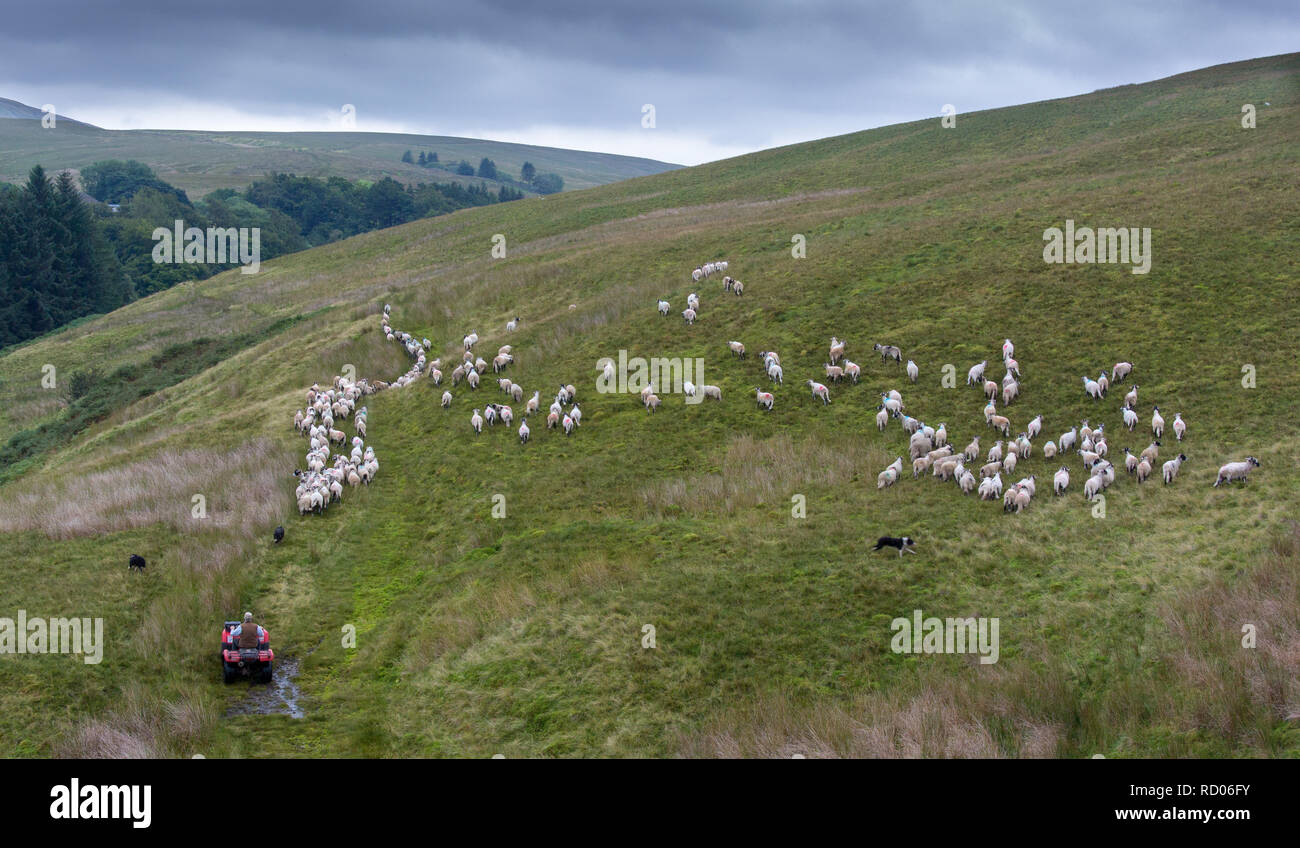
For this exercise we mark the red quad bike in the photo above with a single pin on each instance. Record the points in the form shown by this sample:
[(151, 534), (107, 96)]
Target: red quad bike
[(236, 662)]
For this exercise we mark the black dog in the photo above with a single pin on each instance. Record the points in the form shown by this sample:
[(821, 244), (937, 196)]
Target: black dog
[(279, 534), (905, 543), (136, 564)]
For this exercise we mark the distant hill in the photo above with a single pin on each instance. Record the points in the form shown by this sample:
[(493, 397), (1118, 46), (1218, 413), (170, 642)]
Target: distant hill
[(200, 162), (21, 111)]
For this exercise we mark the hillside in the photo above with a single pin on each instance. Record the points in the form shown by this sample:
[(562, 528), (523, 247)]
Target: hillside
[(200, 162), (522, 635)]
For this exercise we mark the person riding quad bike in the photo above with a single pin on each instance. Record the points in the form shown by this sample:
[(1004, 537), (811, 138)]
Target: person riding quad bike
[(246, 651)]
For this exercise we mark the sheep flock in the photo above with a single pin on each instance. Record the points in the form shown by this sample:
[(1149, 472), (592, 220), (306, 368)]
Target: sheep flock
[(931, 450)]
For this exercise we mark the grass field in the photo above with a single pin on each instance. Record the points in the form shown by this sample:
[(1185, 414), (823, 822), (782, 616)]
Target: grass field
[(522, 635), (200, 162)]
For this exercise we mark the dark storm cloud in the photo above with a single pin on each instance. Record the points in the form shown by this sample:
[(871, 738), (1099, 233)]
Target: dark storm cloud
[(723, 77)]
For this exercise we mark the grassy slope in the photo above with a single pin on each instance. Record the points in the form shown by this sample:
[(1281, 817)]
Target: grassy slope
[(202, 161), (522, 635)]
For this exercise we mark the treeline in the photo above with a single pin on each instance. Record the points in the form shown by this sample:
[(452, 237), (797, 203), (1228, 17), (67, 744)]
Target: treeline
[(63, 257), (55, 263), (542, 183), (327, 210)]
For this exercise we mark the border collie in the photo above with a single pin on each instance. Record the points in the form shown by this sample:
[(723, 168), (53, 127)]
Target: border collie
[(903, 544)]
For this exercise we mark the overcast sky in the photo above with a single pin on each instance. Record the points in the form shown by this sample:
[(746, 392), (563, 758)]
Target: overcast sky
[(724, 78)]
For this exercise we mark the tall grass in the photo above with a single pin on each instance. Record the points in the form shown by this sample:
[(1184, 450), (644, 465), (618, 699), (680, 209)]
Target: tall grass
[(1194, 689)]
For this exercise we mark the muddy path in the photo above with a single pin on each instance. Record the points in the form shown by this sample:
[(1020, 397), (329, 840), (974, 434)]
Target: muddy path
[(279, 697)]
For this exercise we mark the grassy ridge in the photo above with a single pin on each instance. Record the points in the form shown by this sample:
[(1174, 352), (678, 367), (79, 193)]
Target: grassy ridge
[(523, 635), (200, 162)]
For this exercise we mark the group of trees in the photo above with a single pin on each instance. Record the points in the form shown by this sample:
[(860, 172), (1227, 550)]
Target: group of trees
[(55, 264), (546, 183), (426, 160), (334, 208), (62, 257)]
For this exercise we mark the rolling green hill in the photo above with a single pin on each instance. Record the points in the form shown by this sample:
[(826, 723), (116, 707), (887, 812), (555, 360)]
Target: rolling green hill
[(1121, 634), (200, 162)]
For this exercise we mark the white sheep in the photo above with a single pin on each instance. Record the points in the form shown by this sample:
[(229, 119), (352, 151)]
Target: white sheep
[(1061, 481), (689, 315), (476, 421), (1236, 471), (446, 400), (941, 435), (891, 474), (1008, 349), (912, 371), (1068, 440), (1170, 468), (688, 389), (1092, 487), (1121, 370), (1131, 399), (1130, 418), (975, 376), (1180, 426), (1049, 450), (765, 399), (1091, 387), (511, 325), (1034, 427), (1157, 422), (820, 391), (664, 307), (853, 370), (991, 488), (737, 349), (711, 392), (524, 432)]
